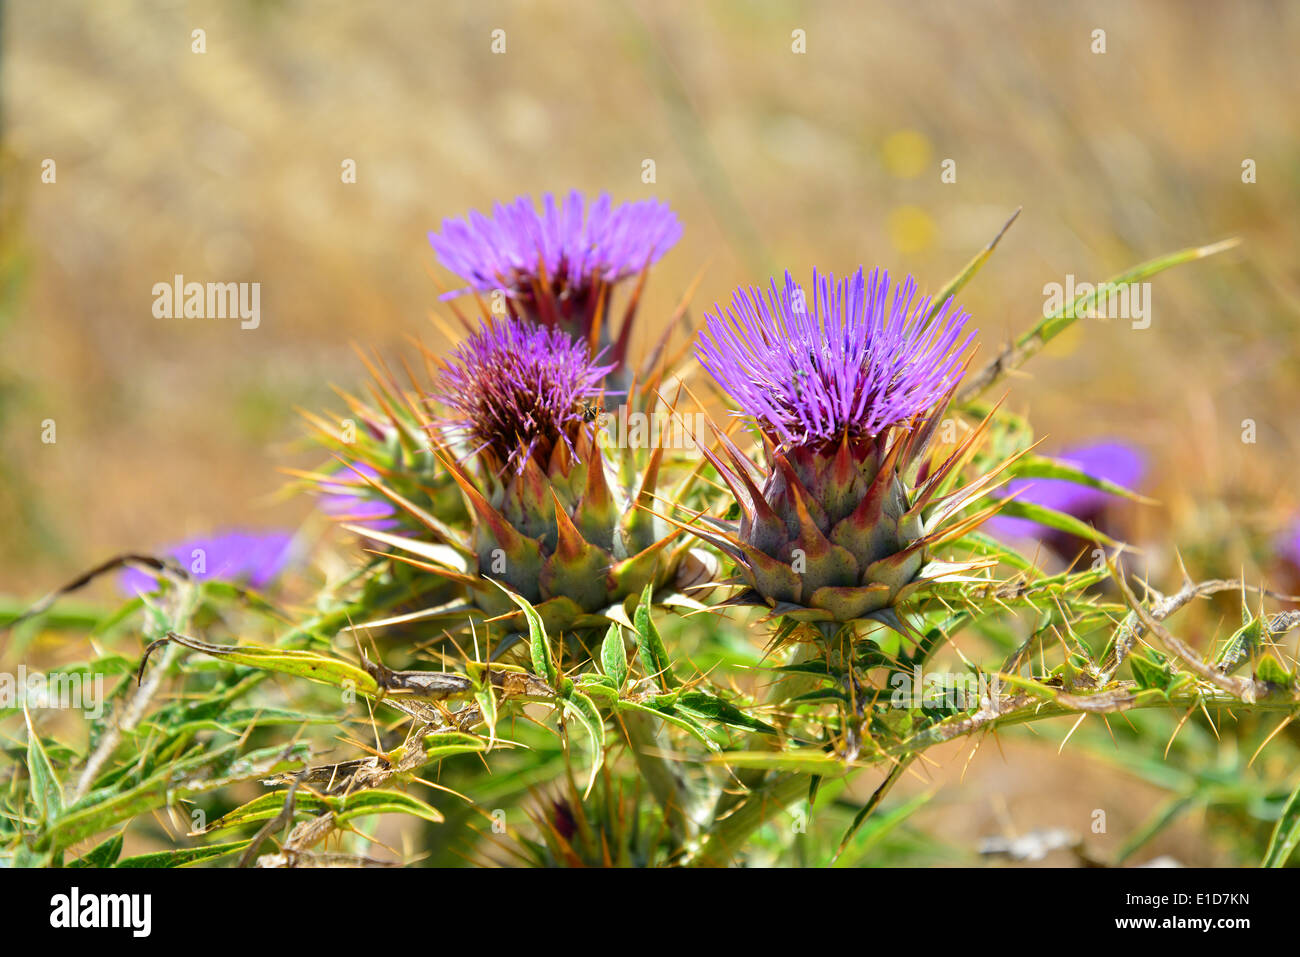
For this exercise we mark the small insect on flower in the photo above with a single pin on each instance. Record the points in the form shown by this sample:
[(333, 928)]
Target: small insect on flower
[(594, 412)]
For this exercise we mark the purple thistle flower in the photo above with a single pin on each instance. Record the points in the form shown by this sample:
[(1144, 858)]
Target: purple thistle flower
[(348, 498), (255, 557), (852, 361), (1289, 543), (1113, 461), (517, 389), (576, 245)]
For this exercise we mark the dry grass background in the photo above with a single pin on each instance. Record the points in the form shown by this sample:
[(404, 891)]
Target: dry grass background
[(226, 166)]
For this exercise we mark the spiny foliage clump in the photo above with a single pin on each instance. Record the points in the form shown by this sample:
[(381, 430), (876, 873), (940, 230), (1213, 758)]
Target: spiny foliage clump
[(523, 637)]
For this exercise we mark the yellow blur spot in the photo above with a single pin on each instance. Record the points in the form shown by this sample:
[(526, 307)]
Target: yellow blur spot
[(906, 154), (910, 229)]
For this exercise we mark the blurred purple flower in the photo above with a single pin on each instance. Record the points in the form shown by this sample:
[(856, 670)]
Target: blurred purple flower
[(574, 243), (1115, 462), (516, 389), (348, 498), (257, 558), (1289, 543), (850, 361)]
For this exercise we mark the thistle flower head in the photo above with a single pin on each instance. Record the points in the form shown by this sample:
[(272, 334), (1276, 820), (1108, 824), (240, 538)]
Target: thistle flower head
[(567, 244), (848, 360), (255, 557), (516, 389), (1115, 462)]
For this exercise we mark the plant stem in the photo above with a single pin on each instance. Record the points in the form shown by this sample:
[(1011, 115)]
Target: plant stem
[(685, 805)]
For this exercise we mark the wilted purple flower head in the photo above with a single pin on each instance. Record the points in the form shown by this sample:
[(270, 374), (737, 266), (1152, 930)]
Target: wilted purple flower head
[(348, 498), (567, 245), (847, 360), (1112, 461), (257, 558), (517, 389)]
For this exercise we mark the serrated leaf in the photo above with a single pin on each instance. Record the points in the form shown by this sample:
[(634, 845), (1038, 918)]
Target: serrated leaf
[(103, 855), (1271, 670), (345, 807), (185, 856), (1286, 835), (47, 792), (713, 708), (613, 655), (588, 715), (451, 743), (668, 716), (539, 647), (1149, 674), (290, 661), (654, 656)]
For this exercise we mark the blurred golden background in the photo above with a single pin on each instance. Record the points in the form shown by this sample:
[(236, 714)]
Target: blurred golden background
[(226, 166)]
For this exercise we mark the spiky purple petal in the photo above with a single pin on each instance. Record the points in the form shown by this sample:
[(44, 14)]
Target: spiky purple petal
[(517, 388), (848, 359), (576, 244)]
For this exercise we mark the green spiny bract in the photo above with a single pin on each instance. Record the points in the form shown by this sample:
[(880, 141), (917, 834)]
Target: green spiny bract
[(551, 516), (847, 393)]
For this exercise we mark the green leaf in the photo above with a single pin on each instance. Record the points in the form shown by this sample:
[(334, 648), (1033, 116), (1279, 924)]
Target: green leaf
[(236, 722), (1271, 670), (803, 761), (713, 708), (585, 710), (1286, 835), (1054, 519), (1150, 674), (451, 743), (1038, 466), (875, 828), (666, 714), (613, 655), (47, 793), (538, 644), (487, 706), (290, 661), (654, 656), (182, 779), (1051, 326), (185, 856), (1163, 817), (104, 855), (366, 803), (345, 807), (985, 545), (968, 271)]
